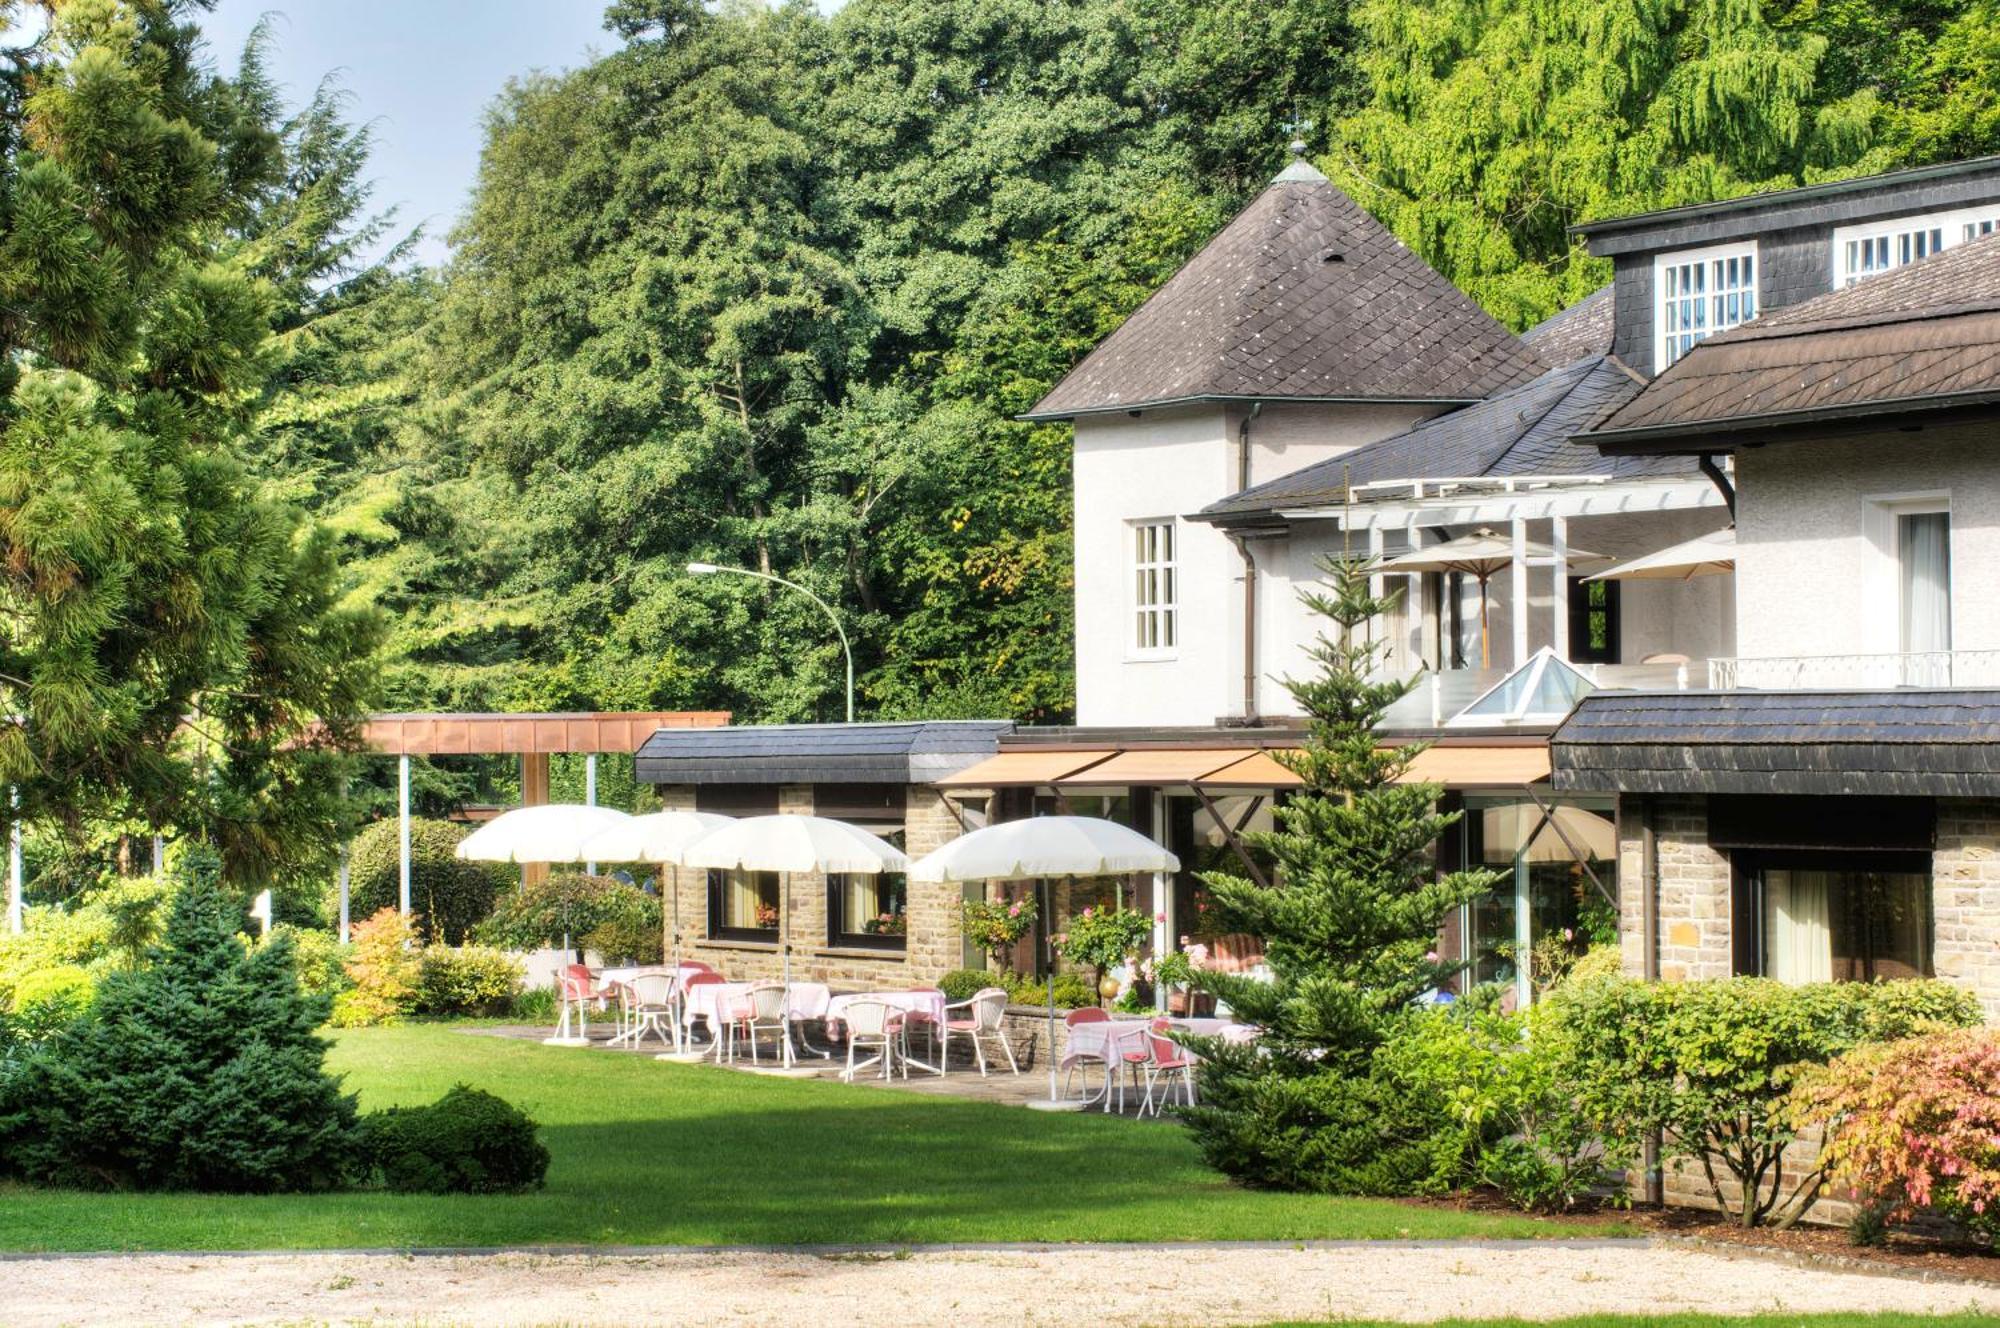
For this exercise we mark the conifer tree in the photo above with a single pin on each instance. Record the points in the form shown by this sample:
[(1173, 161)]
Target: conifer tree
[(200, 1070), (1350, 922)]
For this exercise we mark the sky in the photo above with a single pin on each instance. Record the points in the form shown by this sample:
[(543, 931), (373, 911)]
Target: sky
[(423, 71)]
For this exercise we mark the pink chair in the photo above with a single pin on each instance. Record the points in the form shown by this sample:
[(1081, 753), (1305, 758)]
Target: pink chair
[(985, 1017), (576, 990), (1073, 1060), (707, 979), (1163, 1059)]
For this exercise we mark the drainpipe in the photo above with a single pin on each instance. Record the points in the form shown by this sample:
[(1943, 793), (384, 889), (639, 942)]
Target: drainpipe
[(1721, 482), (1250, 717), (1649, 930)]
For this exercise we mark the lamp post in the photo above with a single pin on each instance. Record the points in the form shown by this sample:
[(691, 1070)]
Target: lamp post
[(711, 569)]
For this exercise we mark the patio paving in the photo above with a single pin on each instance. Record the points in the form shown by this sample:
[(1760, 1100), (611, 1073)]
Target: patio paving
[(962, 1080)]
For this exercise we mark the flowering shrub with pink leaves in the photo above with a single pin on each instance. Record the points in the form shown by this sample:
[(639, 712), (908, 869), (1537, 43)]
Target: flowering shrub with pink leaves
[(1914, 1124)]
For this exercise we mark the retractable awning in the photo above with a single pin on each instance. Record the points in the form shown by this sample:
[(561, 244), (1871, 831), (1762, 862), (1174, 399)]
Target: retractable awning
[(1257, 770), (1480, 767), (1023, 769), (1171, 765)]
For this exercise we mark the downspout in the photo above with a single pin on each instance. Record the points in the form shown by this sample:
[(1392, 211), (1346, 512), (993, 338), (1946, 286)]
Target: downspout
[(1250, 717), (1721, 482), (1649, 929)]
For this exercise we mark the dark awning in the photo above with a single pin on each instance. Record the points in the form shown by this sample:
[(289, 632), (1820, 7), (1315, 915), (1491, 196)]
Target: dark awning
[(914, 753), (1902, 743)]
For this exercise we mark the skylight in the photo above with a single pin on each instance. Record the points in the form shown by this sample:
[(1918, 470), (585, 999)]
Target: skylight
[(1542, 691)]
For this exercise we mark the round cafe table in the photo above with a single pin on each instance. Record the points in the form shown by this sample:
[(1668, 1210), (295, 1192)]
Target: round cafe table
[(929, 1004), (1109, 1039)]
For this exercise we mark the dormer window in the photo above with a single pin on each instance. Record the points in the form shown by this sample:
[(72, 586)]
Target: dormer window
[(1700, 292), (1883, 246)]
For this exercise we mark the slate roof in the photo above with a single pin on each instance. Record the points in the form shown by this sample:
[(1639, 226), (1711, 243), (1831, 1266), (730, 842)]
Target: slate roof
[(1526, 431), (1922, 337), (1905, 742), (1304, 296), (913, 753), (1578, 332)]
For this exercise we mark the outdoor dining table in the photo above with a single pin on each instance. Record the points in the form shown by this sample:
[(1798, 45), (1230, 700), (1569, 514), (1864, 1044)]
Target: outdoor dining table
[(1109, 1039), (929, 1004), (706, 1000)]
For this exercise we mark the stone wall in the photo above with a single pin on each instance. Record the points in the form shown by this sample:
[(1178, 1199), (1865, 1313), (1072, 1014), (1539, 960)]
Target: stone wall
[(1694, 891), (932, 945), (1965, 899)]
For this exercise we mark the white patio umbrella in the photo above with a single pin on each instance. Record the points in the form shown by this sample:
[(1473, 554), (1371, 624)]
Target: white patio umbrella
[(658, 837), (1043, 847), (788, 843), (554, 832), (1704, 555), (1478, 555)]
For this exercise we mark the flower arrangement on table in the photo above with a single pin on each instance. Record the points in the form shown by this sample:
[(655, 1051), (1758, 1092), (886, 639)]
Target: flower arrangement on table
[(1103, 938), (767, 916), (886, 924), (996, 926)]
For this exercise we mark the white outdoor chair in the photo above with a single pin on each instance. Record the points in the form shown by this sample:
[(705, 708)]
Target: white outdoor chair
[(872, 1025), (984, 1018), (762, 1009), (656, 1008)]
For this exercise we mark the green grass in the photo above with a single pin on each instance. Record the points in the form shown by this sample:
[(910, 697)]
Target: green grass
[(1968, 1319), (653, 1153)]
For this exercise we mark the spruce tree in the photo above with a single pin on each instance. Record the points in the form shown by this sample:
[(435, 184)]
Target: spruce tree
[(1350, 924), (201, 1070)]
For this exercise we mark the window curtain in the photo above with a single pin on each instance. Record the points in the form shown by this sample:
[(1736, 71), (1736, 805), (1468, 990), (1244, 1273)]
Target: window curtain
[(743, 896), (1924, 550), (1798, 935)]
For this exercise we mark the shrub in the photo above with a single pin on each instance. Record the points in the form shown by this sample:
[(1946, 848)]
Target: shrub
[(1912, 1124), (318, 956), (1072, 990), (449, 896), (1712, 1065), (534, 1005), (472, 980), (634, 937), (1104, 937), (383, 967), (963, 983), (43, 1004), (201, 1071), (467, 1142), (572, 905), (995, 926)]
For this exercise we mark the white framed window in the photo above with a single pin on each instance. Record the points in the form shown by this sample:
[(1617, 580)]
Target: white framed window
[(1908, 584), (1155, 587), (1699, 292), (1876, 247)]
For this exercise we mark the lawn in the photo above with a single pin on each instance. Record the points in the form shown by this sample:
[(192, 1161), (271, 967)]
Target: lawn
[(1969, 1319), (653, 1153)]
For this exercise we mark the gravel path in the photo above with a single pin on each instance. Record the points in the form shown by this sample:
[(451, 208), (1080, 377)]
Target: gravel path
[(961, 1288)]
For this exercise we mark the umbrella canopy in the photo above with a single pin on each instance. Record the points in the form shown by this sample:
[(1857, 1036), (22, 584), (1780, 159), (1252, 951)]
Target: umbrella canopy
[(1704, 555), (1045, 846), (1478, 555), (788, 843), (656, 837), (555, 832)]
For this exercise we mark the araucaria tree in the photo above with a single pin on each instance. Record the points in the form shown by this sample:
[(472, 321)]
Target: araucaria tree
[(1350, 926), (172, 649)]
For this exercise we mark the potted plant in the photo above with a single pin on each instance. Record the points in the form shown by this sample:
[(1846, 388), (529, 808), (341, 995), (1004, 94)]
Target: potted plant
[(1175, 971), (995, 927), (1104, 938)]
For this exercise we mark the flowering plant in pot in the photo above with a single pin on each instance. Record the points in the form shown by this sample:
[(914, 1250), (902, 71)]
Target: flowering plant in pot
[(1104, 938), (1175, 970), (996, 926)]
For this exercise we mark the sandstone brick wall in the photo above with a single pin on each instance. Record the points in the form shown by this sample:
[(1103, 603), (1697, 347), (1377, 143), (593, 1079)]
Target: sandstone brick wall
[(1965, 899), (932, 946), (1694, 891)]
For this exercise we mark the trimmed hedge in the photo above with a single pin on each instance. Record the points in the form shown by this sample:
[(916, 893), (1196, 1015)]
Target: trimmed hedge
[(467, 1142), (447, 896)]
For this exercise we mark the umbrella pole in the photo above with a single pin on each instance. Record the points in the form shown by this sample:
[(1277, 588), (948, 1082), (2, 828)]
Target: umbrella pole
[(785, 926), (1485, 641)]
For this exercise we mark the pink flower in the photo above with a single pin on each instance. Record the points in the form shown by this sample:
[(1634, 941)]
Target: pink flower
[(1160, 917), (1197, 954), (1014, 911), (1430, 956), (1569, 933)]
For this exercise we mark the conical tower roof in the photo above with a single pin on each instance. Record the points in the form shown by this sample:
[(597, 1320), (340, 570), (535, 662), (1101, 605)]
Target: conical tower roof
[(1302, 297)]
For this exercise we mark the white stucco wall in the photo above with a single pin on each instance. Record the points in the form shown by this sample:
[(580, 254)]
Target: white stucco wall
[(1810, 577), (1171, 463)]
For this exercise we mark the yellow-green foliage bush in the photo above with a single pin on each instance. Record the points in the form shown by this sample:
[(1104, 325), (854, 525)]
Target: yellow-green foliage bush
[(384, 968), (467, 980), (319, 957)]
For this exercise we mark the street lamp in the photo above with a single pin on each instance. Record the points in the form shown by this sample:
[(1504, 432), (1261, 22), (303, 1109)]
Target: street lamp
[(711, 569)]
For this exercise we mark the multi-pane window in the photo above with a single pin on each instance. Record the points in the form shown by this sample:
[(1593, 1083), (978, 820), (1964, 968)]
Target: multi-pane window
[(743, 905), (1702, 293), (1155, 625), (1869, 250)]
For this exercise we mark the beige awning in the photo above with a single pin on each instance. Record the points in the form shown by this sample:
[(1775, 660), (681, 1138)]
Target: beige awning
[(1159, 765), (1479, 767), (1257, 770), (1019, 769)]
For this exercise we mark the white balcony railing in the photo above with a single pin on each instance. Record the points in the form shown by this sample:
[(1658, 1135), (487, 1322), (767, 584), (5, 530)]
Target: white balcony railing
[(1936, 668)]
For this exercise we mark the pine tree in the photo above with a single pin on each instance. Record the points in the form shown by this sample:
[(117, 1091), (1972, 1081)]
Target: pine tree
[(1350, 925), (201, 1070)]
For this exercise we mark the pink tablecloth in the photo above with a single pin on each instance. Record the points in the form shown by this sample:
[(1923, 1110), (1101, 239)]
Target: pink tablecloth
[(803, 1000), (910, 1002), (1111, 1038)]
